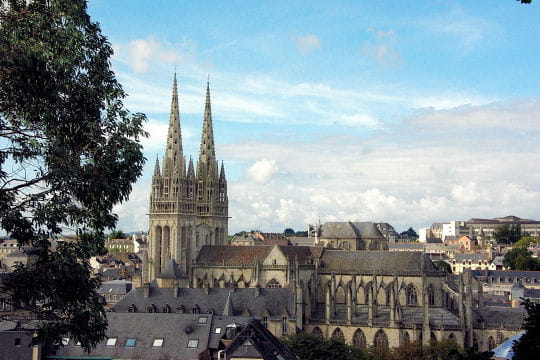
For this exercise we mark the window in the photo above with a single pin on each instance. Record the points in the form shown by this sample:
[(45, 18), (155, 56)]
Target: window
[(380, 341), (273, 284), (412, 295), (338, 335), (217, 330), (431, 295), (359, 339), (130, 342), (65, 341), (17, 341), (111, 342), (284, 325), (193, 343), (265, 321), (202, 320), (157, 343)]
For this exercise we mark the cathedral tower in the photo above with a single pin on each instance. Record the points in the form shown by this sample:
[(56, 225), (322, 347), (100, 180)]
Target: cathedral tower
[(188, 208)]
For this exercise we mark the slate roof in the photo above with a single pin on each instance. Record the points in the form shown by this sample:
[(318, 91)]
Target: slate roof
[(350, 230), (246, 255), (172, 271), (255, 341), (387, 262), (496, 316), (115, 287), (512, 274), (232, 254), (175, 329), (273, 300)]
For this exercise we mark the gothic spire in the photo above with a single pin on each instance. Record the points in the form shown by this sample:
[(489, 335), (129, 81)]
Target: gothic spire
[(207, 153), (222, 172), (191, 170), (173, 154), (156, 167)]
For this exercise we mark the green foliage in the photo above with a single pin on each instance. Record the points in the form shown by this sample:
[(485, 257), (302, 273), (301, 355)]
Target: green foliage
[(288, 232), (310, 347), (443, 265), (525, 241), (69, 152), (520, 258), (117, 234), (507, 233), (410, 233), (528, 346)]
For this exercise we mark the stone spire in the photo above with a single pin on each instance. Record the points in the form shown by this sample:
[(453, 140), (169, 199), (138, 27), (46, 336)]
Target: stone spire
[(222, 173), (173, 153), (156, 167), (191, 169), (207, 154)]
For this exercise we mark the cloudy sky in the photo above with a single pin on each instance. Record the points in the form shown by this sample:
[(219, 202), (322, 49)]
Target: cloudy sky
[(406, 112)]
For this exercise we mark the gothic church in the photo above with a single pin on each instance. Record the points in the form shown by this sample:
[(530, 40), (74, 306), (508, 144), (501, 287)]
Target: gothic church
[(188, 204)]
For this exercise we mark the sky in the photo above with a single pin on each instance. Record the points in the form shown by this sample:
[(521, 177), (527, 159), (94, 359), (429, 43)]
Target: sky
[(405, 112)]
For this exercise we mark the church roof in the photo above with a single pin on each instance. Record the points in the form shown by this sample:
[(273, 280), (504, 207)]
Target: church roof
[(350, 230), (172, 271), (257, 301), (247, 254), (388, 262)]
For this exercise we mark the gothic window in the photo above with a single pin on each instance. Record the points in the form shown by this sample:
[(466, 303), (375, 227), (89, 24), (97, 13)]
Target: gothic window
[(491, 343), (338, 335), (284, 326), (406, 338), (412, 295), (431, 295), (318, 332), (380, 341), (340, 295), (273, 284), (359, 339)]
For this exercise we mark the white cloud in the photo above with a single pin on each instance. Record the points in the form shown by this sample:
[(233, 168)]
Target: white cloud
[(307, 44), (144, 52), (382, 48), (262, 171)]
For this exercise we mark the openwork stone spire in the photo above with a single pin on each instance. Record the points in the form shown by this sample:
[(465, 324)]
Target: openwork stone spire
[(173, 154), (207, 153)]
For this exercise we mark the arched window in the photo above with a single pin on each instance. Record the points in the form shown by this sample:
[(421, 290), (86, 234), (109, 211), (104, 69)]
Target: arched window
[(491, 343), (452, 336), (431, 295), (412, 295), (338, 335), (340, 295), (318, 332), (273, 284), (406, 338), (380, 341), (359, 339)]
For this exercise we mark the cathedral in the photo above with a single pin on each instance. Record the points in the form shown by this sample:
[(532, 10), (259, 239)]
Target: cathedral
[(349, 287), (188, 203)]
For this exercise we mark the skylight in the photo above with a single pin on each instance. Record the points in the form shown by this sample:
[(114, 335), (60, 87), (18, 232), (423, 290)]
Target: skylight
[(193, 343), (157, 343), (130, 342)]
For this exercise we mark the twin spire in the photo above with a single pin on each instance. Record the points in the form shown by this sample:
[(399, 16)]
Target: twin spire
[(174, 161)]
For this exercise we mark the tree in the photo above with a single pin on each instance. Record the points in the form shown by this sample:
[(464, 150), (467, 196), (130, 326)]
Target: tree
[(288, 232), (444, 266), (69, 152), (528, 346), (525, 241), (410, 233), (311, 347), (118, 234), (520, 258), (507, 233)]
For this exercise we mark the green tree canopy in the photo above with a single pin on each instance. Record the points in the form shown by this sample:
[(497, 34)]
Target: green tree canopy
[(118, 234), (69, 151), (507, 233), (520, 258), (528, 346)]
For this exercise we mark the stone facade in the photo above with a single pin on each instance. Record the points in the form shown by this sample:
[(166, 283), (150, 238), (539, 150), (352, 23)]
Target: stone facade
[(188, 204)]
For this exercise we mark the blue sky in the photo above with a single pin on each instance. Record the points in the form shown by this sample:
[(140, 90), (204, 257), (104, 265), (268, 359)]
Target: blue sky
[(406, 112)]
